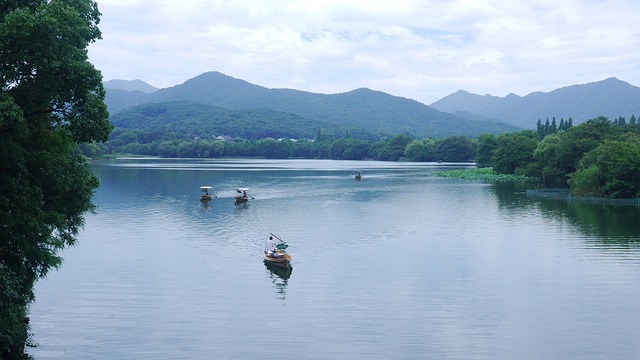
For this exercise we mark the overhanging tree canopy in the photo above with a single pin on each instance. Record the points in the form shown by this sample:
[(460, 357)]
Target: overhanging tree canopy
[(51, 98)]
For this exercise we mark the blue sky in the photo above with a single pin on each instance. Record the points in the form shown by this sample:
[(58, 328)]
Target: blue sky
[(423, 50)]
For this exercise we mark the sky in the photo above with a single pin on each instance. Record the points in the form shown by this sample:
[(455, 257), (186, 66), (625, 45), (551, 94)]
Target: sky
[(422, 50)]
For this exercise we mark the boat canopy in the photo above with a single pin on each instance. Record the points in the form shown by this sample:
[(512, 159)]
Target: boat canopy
[(240, 190), (206, 187)]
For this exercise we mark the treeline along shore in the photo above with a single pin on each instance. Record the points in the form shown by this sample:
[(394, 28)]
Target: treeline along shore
[(599, 157)]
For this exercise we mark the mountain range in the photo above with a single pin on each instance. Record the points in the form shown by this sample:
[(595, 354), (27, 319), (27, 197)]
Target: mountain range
[(366, 109), (461, 113), (611, 97)]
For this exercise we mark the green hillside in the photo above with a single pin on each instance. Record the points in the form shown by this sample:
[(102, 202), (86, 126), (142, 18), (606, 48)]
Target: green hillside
[(375, 111), (185, 120)]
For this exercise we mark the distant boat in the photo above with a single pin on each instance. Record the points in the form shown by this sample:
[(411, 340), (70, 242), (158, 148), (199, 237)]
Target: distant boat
[(359, 175), (242, 196), (206, 193)]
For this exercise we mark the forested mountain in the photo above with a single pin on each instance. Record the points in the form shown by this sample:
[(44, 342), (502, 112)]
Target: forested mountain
[(612, 98), (189, 120), (359, 109), (129, 85)]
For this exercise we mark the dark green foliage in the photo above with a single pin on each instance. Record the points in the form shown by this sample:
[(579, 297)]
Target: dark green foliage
[(456, 149), (487, 145), (612, 170), (558, 155), (596, 158), (188, 120), (550, 128), (348, 149), (420, 150), (514, 152), (392, 149), (586, 182), (554, 126), (51, 99)]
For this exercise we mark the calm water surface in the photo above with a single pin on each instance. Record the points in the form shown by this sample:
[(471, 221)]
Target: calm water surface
[(399, 265)]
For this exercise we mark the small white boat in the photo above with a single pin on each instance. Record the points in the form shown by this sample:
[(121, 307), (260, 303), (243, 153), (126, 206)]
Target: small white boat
[(359, 175), (206, 193), (242, 196)]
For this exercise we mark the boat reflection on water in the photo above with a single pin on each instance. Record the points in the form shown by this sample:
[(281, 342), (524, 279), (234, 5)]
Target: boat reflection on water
[(283, 273), (280, 277)]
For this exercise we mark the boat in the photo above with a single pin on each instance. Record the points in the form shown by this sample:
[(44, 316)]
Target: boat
[(242, 196), (206, 193), (278, 256), (359, 175)]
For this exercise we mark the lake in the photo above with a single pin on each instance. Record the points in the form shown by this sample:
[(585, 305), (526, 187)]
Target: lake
[(398, 265)]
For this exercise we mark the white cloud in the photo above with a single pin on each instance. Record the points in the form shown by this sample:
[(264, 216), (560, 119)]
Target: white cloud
[(423, 50)]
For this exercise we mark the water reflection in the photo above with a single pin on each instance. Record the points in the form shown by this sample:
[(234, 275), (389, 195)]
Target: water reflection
[(241, 207), (205, 203), (604, 224), (607, 224), (282, 272), (279, 276)]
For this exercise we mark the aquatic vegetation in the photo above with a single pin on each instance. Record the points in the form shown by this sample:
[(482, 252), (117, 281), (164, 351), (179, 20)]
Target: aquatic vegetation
[(486, 173)]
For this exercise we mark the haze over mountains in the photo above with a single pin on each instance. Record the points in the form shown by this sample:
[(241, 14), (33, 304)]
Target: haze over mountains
[(610, 97), (460, 113)]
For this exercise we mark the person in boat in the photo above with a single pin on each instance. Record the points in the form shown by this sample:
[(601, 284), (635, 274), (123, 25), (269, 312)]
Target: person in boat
[(244, 194), (270, 247)]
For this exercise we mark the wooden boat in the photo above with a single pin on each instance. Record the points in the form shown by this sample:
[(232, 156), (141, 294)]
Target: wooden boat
[(206, 193), (242, 196), (277, 256)]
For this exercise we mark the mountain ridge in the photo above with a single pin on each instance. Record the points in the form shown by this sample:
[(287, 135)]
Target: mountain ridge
[(610, 97), (129, 85), (361, 108)]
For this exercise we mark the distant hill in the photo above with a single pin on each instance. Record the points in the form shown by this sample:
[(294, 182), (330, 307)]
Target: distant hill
[(358, 109), (185, 120), (610, 97), (129, 85)]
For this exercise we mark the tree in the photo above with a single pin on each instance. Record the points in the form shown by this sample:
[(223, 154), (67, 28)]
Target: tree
[(562, 125), (540, 130), (514, 151), (614, 170), (393, 148), (456, 149), (558, 155), (51, 99), (420, 150), (487, 145), (547, 127)]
